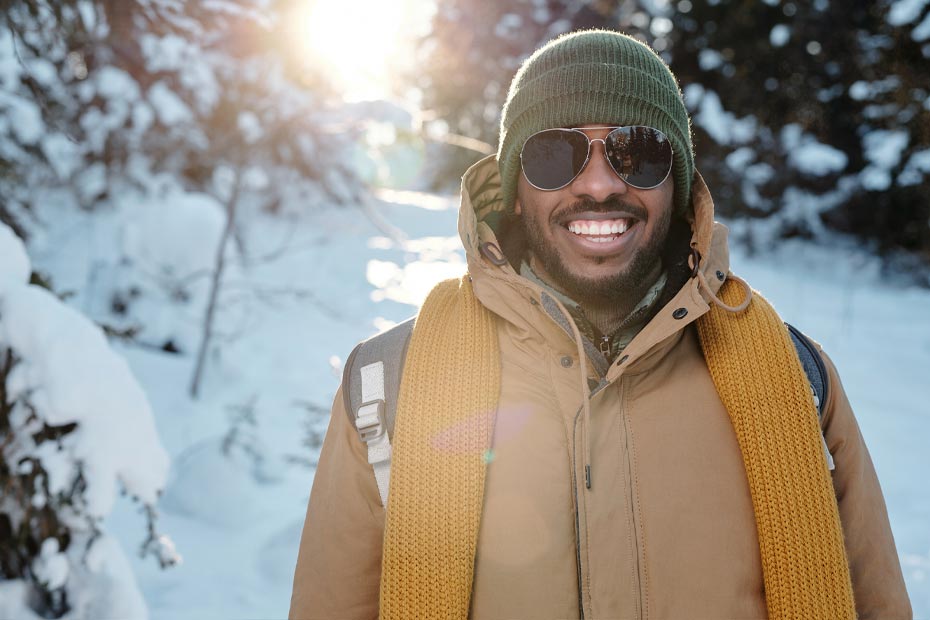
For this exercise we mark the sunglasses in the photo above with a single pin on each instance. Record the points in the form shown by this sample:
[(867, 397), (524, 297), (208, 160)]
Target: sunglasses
[(641, 156)]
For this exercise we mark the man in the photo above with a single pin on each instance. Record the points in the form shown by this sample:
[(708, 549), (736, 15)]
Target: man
[(599, 421)]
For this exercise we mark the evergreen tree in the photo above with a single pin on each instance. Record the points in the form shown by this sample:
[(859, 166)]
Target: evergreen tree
[(811, 114)]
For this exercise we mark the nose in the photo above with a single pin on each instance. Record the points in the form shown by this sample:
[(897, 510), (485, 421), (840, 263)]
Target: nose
[(598, 181)]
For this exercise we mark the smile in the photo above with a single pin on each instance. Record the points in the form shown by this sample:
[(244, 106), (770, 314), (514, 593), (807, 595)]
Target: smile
[(599, 231)]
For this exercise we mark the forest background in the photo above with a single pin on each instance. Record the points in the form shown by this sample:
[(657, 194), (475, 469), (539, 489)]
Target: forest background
[(204, 204)]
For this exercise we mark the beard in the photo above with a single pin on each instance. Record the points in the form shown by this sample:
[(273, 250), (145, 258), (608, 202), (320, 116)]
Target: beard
[(631, 280)]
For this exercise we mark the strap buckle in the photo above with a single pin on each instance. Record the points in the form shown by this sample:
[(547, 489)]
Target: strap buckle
[(370, 422)]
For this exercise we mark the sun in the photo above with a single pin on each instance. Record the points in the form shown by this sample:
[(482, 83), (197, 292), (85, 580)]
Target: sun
[(359, 43)]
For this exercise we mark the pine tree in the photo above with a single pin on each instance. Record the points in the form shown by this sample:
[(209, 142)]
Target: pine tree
[(812, 114)]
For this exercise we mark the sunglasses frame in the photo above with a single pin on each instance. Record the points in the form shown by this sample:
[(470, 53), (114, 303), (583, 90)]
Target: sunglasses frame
[(591, 141)]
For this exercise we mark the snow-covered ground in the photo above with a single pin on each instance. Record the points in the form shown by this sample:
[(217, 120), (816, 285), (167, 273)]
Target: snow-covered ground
[(236, 518)]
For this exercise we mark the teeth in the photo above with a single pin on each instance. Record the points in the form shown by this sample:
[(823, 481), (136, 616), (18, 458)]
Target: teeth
[(602, 228)]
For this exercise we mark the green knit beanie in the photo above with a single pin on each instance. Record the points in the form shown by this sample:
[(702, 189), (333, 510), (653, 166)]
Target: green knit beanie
[(594, 76)]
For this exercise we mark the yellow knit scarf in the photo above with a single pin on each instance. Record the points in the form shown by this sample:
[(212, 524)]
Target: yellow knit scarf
[(442, 434), (445, 417)]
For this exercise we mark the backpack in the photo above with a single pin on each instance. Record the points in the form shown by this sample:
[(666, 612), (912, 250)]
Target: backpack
[(371, 384)]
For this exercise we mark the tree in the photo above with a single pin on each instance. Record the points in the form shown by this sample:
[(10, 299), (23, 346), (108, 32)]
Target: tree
[(115, 105), (811, 115), (74, 427)]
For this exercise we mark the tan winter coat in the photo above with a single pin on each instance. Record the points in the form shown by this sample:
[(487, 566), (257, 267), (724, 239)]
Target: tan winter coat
[(667, 528)]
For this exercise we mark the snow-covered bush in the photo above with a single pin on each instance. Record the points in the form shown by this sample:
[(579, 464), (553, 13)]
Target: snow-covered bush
[(75, 430), (191, 116)]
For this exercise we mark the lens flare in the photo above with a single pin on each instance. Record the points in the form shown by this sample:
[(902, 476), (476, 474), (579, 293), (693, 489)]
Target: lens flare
[(358, 45)]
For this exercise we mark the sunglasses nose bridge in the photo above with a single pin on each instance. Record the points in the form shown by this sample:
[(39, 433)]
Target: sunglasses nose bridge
[(598, 179)]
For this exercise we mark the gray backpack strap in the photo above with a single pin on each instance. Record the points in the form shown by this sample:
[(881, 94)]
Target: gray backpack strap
[(814, 367), (370, 387), (816, 372)]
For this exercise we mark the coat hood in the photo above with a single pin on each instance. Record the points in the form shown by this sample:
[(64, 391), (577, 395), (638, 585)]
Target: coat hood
[(488, 235)]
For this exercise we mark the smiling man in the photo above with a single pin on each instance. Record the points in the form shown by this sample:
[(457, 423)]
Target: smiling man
[(599, 420)]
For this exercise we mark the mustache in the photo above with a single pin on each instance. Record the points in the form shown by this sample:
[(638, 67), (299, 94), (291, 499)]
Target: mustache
[(608, 206)]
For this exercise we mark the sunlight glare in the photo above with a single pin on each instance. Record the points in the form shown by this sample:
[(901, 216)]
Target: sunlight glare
[(356, 44)]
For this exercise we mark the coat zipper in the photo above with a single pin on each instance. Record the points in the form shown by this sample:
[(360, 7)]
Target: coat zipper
[(632, 498), (605, 346), (577, 516)]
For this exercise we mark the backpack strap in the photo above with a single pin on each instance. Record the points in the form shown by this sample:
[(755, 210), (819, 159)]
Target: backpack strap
[(816, 372), (371, 384), (814, 367), (370, 387)]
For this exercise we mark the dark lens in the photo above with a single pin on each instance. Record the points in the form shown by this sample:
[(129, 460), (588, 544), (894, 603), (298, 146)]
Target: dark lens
[(552, 158), (642, 156)]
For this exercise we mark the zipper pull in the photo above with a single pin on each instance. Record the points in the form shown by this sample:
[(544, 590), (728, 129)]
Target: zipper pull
[(605, 346)]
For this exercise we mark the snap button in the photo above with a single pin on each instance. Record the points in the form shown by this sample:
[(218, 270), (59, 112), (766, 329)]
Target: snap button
[(567, 361), (680, 313), (721, 275), (533, 301)]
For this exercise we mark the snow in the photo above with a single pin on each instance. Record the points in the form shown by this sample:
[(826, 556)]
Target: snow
[(25, 118), (10, 68), (70, 374), (214, 487), (660, 26), (883, 148), (114, 83), (905, 11), (62, 153), (921, 32), (237, 518), (175, 235), (709, 59), (67, 373), (861, 90), (237, 521), (816, 159), (709, 113), (51, 566), (169, 108), (917, 165), (250, 126), (808, 155), (43, 71), (14, 262), (508, 24), (235, 497), (779, 35)]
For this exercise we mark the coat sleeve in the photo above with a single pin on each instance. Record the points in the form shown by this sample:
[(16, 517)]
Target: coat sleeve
[(878, 583), (338, 571)]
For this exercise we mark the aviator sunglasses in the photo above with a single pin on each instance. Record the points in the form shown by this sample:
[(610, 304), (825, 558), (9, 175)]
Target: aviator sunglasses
[(641, 156)]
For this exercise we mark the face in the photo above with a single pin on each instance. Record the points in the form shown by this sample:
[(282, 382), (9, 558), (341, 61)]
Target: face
[(598, 237)]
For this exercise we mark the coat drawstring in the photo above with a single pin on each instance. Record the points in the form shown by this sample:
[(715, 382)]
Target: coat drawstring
[(585, 393), (695, 262)]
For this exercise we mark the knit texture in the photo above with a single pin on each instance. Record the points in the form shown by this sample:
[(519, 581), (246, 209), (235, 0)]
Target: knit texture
[(445, 417), (762, 384), (594, 77)]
